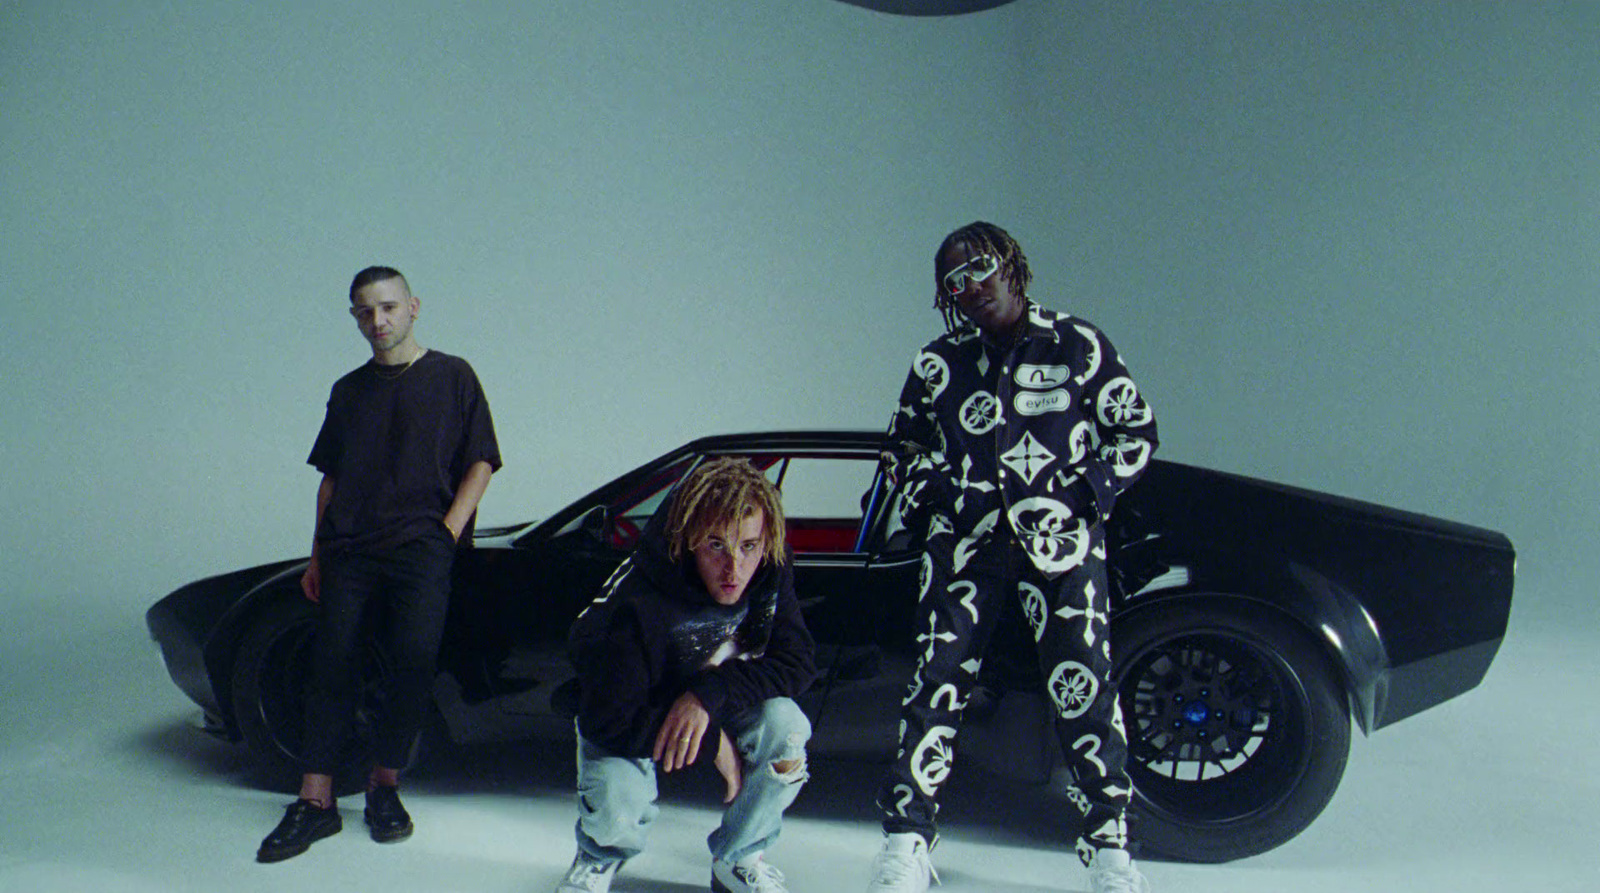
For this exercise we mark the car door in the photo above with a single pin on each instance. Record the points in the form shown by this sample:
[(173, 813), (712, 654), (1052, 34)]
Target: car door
[(857, 590)]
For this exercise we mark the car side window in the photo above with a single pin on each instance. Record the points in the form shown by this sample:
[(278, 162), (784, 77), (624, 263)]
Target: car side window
[(822, 500), (631, 512)]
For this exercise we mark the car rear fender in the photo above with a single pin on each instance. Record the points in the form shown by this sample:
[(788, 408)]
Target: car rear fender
[(222, 647)]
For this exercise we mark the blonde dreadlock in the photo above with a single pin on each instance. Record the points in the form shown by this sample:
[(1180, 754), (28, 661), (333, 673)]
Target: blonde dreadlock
[(718, 494), (981, 238)]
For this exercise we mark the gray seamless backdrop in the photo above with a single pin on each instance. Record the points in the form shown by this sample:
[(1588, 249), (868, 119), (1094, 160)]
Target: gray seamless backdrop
[(1345, 245)]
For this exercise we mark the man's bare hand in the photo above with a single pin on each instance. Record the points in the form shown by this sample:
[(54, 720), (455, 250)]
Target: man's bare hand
[(311, 581), (732, 768), (678, 741)]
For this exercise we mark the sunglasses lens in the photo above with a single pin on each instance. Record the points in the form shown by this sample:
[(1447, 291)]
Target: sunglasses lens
[(975, 270)]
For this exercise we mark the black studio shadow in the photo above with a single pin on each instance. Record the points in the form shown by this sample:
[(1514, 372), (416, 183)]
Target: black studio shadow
[(180, 747)]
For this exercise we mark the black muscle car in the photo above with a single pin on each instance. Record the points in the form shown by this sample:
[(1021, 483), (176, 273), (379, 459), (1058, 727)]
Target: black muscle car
[(1251, 623)]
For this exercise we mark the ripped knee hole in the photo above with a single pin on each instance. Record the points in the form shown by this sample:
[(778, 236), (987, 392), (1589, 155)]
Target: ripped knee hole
[(789, 768)]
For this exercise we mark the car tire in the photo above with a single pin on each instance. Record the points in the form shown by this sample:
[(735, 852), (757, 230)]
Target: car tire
[(1238, 728), (270, 673)]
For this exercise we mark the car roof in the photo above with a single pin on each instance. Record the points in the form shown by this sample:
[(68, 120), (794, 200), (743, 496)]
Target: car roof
[(852, 439)]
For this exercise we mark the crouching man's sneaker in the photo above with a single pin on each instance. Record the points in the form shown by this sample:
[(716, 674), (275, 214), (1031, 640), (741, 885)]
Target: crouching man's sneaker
[(749, 875), (589, 876), (1113, 871), (903, 865)]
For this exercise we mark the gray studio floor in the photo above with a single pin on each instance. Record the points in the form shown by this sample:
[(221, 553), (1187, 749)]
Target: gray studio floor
[(105, 785)]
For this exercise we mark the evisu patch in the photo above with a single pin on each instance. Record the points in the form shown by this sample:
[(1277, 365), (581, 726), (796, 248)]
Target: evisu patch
[(1030, 403)]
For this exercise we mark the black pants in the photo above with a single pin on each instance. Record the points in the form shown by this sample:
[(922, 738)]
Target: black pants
[(405, 591), (957, 612)]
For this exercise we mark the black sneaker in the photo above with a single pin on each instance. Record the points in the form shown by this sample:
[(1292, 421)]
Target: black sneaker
[(385, 816), (304, 823)]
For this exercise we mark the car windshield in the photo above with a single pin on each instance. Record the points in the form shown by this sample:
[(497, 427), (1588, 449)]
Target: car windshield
[(822, 498)]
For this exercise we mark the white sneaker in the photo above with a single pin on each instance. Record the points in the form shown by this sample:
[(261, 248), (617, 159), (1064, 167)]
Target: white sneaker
[(749, 875), (1113, 871), (588, 876), (903, 865)]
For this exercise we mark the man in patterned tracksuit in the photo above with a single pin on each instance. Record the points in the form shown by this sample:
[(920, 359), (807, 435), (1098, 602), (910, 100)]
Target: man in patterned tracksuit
[(1015, 433)]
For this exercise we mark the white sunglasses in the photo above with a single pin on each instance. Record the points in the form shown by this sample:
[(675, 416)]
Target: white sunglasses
[(976, 269)]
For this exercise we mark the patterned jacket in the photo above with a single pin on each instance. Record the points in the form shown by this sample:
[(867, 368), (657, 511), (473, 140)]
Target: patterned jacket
[(1041, 436)]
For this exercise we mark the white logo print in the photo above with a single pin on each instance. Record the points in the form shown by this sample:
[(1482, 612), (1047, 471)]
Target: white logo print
[(952, 694), (930, 761), (1120, 404), (912, 690), (1087, 612), (932, 637), (1073, 687), (1128, 456), (933, 370), (1091, 754), (1055, 540), (1075, 794), (1034, 608), (905, 796), (1079, 440), (971, 590), (969, 544), (1091, 360), (1114, 832), (1028, 457), (980, 413), (1029, 403), (1043, 378), (966, 483)]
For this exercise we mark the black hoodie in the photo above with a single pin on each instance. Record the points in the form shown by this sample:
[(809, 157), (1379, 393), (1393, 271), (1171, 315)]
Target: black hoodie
[(655, 633)]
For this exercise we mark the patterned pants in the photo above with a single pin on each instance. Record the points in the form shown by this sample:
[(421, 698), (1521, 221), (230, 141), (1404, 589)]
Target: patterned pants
[(962, 585)]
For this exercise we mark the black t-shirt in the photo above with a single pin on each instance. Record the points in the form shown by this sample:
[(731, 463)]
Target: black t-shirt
[(397, 446)]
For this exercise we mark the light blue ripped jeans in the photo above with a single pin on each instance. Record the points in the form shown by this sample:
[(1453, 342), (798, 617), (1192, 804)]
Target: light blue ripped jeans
[(617, 795)]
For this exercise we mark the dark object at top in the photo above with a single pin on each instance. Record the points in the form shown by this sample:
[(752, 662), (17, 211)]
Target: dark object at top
[(928, 7)]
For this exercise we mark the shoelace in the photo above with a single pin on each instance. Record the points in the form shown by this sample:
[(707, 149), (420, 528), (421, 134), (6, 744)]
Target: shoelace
[(586, 874), (761, 877), (1120, 880), (893, 869)]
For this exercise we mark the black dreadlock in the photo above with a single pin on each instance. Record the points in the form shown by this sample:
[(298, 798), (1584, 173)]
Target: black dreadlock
[(985, 238)]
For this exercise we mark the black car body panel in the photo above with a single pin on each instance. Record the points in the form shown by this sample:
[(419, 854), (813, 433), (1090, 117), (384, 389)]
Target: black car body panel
[(1413, 607), (1304, 599)]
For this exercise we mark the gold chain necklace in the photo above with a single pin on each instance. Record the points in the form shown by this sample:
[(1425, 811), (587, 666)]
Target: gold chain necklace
[(390, 376)]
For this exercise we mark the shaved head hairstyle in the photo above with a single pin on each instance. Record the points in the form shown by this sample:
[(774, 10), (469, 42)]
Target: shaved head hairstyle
[(720, 494), (374, 274)]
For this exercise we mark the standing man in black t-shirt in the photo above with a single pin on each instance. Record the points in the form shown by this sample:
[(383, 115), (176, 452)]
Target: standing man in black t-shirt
[(406, 451)]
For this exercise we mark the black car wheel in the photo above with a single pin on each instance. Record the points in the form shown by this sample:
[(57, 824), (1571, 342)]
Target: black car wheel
[(1237, 725), (270, 673)]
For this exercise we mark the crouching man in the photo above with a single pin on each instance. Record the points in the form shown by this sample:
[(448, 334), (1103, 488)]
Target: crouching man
[(693, 654)]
